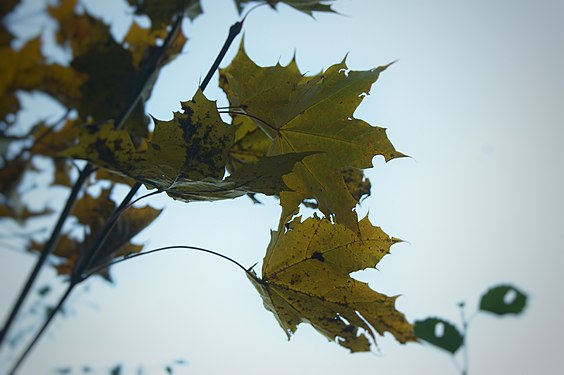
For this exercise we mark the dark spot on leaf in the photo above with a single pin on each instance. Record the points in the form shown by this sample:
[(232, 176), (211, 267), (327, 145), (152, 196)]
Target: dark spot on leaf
[(317, 255), (155, 146)]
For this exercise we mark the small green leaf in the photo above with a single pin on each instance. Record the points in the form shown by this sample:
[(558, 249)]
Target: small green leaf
[(503, 299), (450, 339)]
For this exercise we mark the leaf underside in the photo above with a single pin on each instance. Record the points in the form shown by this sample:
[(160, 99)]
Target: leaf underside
[(307, 114), (305, 278)]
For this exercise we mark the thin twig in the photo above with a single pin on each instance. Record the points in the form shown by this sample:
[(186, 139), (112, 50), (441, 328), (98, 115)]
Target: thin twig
[(47, 250), (464, 370), (143, 197), (234, 30), (82, 265), (86, 171)]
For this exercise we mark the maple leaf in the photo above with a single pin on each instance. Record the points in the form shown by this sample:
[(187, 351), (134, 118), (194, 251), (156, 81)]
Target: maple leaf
[(305, 6), (311, 114), (250, 144), (305, 278), (186, 156)]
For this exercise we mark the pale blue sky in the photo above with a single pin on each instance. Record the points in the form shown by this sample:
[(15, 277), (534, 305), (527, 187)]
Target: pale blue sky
[(476, 99)]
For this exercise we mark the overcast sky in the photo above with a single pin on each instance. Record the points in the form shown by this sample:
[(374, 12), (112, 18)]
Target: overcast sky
[(476, 99)]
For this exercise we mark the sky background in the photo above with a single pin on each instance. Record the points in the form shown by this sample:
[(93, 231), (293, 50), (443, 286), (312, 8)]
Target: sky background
[(476, 99)]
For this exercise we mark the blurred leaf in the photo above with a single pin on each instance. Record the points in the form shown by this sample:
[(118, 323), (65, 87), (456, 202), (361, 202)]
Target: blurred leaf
[(305, 6), (44, 290), (11, 174), (450, 339), (93, 212), (21, 213), (495, 300), (26, 69), (306, 278), (116, 370), (163, 12), (62, 172), (51, 142)]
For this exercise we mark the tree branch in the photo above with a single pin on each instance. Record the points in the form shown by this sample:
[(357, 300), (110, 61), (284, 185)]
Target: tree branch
[(83, 263)]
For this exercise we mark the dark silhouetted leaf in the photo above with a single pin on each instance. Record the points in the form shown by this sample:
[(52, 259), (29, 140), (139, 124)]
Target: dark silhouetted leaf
[(450, 339), (498, 300)]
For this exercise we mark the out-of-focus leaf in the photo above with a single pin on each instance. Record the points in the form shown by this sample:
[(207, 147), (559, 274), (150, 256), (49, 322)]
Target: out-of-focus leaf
[(142, 42), (44, 290), (6, 6), (11, 174), (26, 69), (93, 212), (62, 172), (116, 370), (503, 299), (306, 278), (51, 142), (450, 338), (163, 12), (305, 6), (22, 214)]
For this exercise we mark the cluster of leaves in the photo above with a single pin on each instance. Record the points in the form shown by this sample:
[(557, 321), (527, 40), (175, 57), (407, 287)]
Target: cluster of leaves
[(500, 300), (98, 84), (291, 136)]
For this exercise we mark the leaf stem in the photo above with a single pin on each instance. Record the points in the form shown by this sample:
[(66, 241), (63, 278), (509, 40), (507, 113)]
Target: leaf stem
[(185, 247), (251, 116)]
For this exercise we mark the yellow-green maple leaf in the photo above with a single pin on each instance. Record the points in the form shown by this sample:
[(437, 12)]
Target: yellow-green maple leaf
[(186, 156), (311, 114), (306, 278), (192, 145)]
